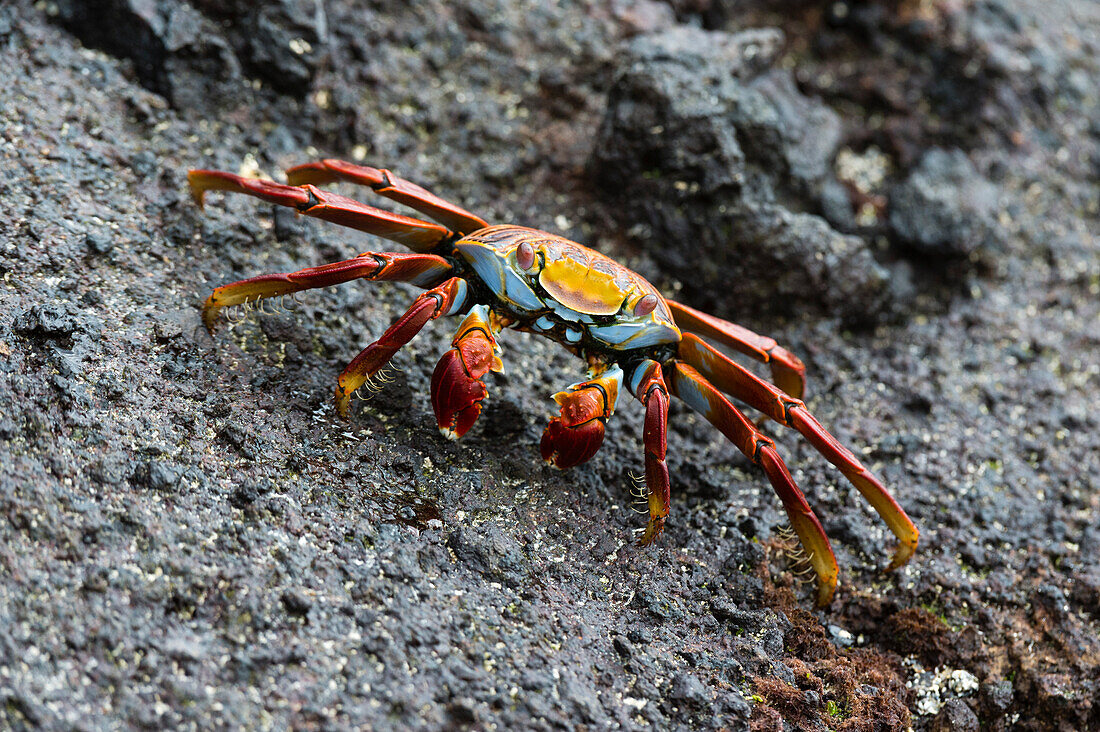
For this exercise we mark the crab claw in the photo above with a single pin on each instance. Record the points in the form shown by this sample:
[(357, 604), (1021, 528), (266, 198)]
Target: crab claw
[(577, 434), (457, 390)]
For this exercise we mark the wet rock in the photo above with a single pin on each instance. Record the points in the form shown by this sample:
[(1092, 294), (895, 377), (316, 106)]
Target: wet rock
[(281, 42), (689, 691), (718, 165), (157, 476), (996, 698), (175, 50), (955, 716), (296, 602), (53, 321), (945, 207)]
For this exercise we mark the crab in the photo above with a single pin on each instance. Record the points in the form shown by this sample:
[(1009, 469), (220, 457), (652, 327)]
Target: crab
[(506, 276)]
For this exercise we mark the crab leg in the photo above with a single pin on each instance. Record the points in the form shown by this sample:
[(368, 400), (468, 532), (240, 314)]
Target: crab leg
[(387, 184), (457, 390), (787, 369), (424, 270), (648, 385), (742, 384), (420, 236), (575, 436), (703, 397), (446, 299)]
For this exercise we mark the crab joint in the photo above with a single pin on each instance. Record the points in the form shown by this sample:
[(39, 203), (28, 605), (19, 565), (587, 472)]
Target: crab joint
[(648, 384), (457, 390), (577, 434)]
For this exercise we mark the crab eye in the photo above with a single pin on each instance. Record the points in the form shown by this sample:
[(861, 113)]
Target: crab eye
[(525, 256), (646, 305)]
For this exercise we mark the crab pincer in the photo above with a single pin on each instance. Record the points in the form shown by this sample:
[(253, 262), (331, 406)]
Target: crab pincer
[(575, 436), (457, 390)]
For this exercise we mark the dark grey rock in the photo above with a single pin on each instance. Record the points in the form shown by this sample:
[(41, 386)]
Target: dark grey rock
[(945, 207), (688, 690), (955, 716), (715, 167), (175, 50)]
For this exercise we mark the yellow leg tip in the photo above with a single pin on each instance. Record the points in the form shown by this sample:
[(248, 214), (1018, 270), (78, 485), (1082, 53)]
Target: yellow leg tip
[(343, 398)]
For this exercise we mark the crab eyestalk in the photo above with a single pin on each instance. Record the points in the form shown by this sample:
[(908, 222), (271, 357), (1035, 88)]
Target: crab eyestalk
[(575, 436), (457, 390)]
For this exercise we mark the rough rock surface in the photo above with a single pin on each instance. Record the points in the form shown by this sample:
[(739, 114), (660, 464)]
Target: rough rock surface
[(712, 154), (190, 538)]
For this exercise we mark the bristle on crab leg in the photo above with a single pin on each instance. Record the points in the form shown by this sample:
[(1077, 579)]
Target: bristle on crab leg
[(424, 270), (690, 386), (457, 390), (648, 385), (420, 236), (740, 383), (576, 435), (446, 299)]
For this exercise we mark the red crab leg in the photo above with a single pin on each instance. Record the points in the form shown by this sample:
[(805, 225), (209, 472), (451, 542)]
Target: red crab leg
[(446, 299), (787, 369), (387, 184), (742, 384), (424, 270), (648, 385), (420, 236), (689, 385), (575, 436), (457, 390)]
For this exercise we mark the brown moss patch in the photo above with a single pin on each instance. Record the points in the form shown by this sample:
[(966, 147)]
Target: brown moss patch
[(848, 690)]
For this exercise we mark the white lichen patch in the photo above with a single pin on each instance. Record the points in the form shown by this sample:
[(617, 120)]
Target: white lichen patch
[(934, 688), (865, 170)]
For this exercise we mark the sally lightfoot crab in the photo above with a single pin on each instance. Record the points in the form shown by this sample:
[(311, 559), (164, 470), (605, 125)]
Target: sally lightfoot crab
[(508, 276)]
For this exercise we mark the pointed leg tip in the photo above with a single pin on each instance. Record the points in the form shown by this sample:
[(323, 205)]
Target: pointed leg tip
[(826, 588), (210, 314), (196, 181), (653, 531), (902, 555), (343, 399)]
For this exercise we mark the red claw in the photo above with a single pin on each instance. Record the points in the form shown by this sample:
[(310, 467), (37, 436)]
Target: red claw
[(575, 436), (457, 390), (565, 445)]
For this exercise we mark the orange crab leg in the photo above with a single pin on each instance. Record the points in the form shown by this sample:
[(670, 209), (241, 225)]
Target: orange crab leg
[(387, 184), (424, 270), (788, 371), (420, 236), (575, 436), (446, 299), (742, 384), (703, 397), (648, 385), (457, 390)]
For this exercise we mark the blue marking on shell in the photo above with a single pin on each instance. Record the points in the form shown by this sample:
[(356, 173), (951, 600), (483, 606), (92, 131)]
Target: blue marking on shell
[(544, 323), (572, 335), (504, 283), (566, 313), (634, 335)]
